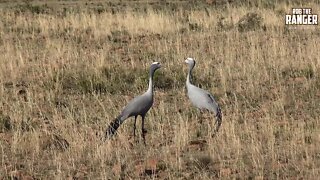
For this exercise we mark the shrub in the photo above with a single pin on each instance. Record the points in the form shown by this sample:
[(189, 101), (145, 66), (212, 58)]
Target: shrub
[(250, 22), (5, 123)]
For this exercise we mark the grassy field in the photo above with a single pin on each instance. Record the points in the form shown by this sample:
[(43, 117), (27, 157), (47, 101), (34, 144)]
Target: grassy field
[(69, 67)]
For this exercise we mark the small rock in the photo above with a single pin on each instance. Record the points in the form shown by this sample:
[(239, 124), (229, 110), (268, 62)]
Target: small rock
[(225, 172), (116, 169), (151, 165)]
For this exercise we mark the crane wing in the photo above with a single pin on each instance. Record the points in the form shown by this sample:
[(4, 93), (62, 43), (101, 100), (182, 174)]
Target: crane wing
[(211, 99)]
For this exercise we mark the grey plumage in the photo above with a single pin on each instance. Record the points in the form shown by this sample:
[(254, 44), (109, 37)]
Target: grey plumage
[(200, 98), (139, 106)]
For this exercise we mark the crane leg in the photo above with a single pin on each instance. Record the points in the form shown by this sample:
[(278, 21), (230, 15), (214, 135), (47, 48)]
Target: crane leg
[(143, 131), (218, 122), (134, 126)]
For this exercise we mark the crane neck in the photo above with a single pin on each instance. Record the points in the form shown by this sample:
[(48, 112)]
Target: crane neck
[(189, 76), (150, 88)]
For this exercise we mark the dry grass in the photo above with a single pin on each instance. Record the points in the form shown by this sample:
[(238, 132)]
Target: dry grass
[(65, 74)]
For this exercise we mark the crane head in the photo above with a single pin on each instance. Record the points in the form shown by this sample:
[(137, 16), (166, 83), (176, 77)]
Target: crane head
[(190, 61), (154, 66)]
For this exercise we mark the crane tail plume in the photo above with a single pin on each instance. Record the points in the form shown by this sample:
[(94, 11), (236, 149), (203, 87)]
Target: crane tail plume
[(113, 126)]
